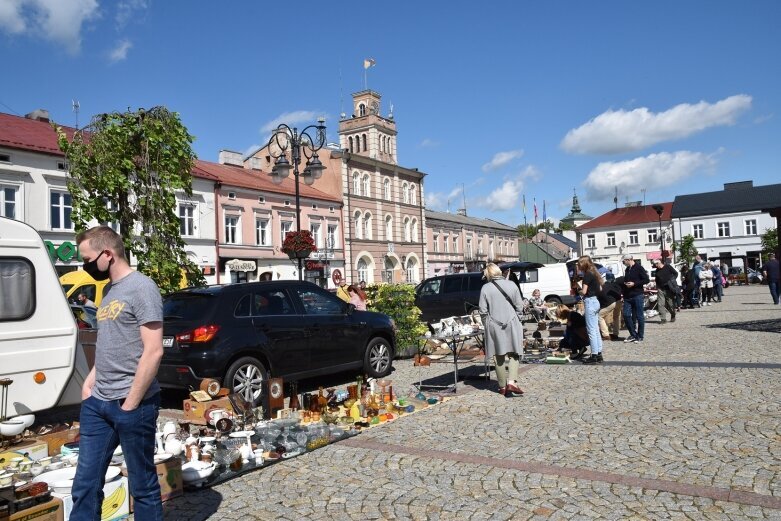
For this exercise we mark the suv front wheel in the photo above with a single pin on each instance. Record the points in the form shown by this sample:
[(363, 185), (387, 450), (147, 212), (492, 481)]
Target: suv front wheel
[(247, 376), (378, 358)]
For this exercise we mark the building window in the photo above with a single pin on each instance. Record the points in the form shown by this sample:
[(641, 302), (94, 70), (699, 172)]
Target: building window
[(287, 202), (634, 237), (332, 236), (455, 244), (232, 196), (412, 270), (315, 230), (367, 186), (468, 248), (186, 220), (5, 158), (363, 270), (231, 229), (284, 229), (262, 232), (653, 235), (361, 109), (591, 241), (350, 140), (386, 189), (364, 142), (356, 184), (367, 226), (261, 199), (407, 230), (8, 199), (414, 230), (479, 247), (611, 239), (751, 227), (697, 231), (413, 197), (436, 243), (446, 243), (61, 211), (405, 192), (723, 229), (357, 225), (389, 228)]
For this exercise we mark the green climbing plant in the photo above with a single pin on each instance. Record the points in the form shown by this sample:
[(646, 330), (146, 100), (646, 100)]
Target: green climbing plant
[(685, 249), (125, 168), (398, 302)]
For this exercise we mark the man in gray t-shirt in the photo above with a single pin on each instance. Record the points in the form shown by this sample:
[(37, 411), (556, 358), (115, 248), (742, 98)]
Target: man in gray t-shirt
[(121, 396)]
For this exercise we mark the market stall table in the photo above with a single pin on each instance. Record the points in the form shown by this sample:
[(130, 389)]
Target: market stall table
[(455, 344)]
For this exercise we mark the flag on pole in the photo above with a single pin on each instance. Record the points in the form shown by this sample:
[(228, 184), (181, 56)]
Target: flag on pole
[(535, 211), (544, 214), (524, 204), (369, 62)]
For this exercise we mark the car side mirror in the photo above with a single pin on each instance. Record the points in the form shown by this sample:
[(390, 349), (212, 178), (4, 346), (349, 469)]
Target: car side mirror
[(349, 310)]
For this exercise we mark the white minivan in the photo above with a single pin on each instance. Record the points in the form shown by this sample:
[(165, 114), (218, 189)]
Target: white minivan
[(551, 279), (38, 332)]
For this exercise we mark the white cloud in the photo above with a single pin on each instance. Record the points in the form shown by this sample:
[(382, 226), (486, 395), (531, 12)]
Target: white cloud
[(11, 19), (505, 197), (119, 53), (56, 20), (651, 172), (294, 118), (621, 131), (435, 200), (428, 143), (762, 119), (501, 159), (127, 9)]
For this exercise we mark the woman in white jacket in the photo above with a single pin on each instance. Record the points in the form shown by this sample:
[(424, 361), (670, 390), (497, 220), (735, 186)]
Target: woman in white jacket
[(706, 284)]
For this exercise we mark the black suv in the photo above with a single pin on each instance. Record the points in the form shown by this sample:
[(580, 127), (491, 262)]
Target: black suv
[(242, 334)]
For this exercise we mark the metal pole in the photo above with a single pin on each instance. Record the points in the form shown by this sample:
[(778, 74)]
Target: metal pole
[(661, 239), (296, 156)]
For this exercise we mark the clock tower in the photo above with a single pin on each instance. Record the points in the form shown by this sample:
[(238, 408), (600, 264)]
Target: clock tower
[(366, 132)]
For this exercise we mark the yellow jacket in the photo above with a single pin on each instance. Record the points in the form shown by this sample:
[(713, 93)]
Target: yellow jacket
[(342, 293)]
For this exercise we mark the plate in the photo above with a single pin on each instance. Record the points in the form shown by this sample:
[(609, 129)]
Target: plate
[(67, 473), (161, 457), (241, 434)]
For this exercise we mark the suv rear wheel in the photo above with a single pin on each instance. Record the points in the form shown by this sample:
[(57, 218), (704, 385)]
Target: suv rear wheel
[(378, 358), (247, 376)]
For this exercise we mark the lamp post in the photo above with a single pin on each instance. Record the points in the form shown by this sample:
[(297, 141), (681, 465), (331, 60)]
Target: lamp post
[(285, 138), (658, 208)]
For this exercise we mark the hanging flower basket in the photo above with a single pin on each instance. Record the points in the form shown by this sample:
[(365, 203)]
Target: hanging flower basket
[(299, 245)]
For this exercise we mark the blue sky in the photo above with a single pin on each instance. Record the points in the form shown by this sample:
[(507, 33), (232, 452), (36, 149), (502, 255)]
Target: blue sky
[(507, 97)]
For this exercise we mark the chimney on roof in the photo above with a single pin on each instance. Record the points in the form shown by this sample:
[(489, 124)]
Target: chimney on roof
[(631, 204), (254, 163), (740, 185), (229, 157), (461, 211), (38, 115)]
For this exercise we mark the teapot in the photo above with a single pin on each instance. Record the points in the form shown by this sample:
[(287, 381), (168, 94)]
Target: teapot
[(173, 445), (169, 428)]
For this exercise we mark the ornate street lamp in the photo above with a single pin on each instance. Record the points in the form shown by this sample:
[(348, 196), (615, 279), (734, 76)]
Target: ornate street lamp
[(658, 208), (284, 139)]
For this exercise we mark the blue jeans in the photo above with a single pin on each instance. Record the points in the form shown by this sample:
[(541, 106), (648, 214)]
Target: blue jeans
[(773, 285), (592, 324), (633, 311), (104, 426)]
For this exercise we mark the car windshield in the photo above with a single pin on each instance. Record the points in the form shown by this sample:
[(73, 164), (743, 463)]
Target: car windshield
[(186, 306)]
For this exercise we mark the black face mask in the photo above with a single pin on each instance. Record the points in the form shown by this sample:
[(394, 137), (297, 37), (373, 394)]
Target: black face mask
[(92, 269)]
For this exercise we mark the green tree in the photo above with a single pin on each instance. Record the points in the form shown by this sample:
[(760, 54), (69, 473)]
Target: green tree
[(526, 230), (125, 168), (770, 241), (563, 227), (685, 249)]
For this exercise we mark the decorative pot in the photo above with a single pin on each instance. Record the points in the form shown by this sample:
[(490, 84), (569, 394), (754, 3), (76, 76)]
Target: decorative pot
[(302, 254)]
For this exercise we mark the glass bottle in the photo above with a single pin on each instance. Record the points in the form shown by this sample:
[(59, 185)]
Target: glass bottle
[(294, 404), (322, 401)]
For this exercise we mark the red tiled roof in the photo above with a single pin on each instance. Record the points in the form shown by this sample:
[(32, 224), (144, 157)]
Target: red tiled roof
[(30, 134), (255, 179), (628, 215)]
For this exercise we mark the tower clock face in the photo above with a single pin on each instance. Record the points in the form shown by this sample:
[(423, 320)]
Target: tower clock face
[(275, 389), (375, 107)]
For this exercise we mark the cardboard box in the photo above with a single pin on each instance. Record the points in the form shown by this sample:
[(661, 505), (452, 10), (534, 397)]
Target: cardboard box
[(50, 511), (33, 449), (169, 475), (195, 412), (56, 440), (116, 501)]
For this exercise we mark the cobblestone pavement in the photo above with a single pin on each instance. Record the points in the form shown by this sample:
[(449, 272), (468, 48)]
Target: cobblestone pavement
[(682, 426)]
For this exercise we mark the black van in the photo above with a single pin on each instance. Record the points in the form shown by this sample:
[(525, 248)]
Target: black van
[(448, 295)]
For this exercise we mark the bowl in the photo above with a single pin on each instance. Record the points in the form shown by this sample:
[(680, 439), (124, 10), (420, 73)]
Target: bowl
[(27, 419), (11, 428), (197, 471), (62, 486)]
